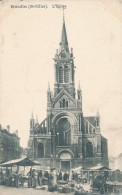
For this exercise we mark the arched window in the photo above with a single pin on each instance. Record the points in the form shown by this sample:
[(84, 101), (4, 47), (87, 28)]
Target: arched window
[(66, 74), (60, 74), (89, 149), (63, 103), (67, 104), (63, 132), (40, 150), (60, 104)]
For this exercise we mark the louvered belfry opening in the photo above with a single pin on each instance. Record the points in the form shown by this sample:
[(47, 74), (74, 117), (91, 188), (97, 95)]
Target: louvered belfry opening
[(66, 74), (60, 75)]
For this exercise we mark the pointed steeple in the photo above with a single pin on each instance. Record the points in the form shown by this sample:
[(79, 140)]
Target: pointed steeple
[(79, 88), (48, 93), (64, 66), (98, 120), (32, 122), (64, 41), (79, 93)]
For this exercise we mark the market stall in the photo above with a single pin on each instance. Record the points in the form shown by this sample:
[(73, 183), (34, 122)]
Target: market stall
[(113, 187), (16, 179)]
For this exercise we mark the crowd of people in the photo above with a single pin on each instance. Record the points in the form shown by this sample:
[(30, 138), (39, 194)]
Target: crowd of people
[(51, 178), (36, 178)]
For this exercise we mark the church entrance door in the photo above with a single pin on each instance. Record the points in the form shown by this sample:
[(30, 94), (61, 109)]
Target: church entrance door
[(65, 162), (65, 166)]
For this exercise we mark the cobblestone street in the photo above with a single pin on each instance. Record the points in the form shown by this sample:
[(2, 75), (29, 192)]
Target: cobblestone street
[(5, 190)]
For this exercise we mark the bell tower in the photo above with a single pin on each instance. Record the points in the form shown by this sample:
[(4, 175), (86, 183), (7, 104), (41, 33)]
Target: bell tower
[(64, 66)]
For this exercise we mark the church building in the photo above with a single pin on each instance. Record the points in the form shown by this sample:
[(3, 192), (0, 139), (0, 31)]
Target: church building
[(66, 139)]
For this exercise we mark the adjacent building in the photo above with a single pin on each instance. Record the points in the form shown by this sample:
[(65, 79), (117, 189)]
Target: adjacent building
[(66, 139), (116, 162), (9, 145)]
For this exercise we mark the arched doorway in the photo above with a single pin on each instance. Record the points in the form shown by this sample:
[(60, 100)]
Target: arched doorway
[(63, 132), (40, 150), (89, 149), (65, 159)]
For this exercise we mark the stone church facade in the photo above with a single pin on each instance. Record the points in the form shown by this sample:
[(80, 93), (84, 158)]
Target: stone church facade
[(66, 139)]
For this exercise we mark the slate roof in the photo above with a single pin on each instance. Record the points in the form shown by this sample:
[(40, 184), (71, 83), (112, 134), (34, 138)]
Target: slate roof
[(91, 119)]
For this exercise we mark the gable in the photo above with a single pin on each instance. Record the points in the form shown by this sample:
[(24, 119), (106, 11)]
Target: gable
[(63, 100), (64, 55)]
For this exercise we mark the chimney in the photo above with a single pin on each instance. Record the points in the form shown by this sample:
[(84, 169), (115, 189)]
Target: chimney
[(16, 133), (8, 128)]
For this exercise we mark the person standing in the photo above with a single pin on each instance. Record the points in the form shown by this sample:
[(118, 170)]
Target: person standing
[(52, 181), (34, 179), (40, 177), (30, 178), (60, 175), (17, 179), (65, 177), (57, 176), (1, 177)]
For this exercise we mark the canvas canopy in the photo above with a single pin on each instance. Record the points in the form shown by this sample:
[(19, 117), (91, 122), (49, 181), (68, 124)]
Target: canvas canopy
[(20, 162), (78, 169), (100, 168)]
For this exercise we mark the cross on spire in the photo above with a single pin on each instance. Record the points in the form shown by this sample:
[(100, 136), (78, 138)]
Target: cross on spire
[(63, 14)]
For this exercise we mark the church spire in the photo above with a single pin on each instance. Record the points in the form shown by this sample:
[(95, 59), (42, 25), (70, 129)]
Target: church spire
[(64, 40), (64, 66)]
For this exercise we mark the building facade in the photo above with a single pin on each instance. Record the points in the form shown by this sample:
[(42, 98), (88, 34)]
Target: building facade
[(66, 139), (116, 162), (9, 145)]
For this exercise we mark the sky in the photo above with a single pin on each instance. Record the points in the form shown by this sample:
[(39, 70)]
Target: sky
[(28, 42)]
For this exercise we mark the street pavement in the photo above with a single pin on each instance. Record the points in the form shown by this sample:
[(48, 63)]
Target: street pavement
[(5, 190)]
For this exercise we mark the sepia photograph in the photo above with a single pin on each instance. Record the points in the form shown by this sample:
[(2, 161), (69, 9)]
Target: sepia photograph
[(60, 97)]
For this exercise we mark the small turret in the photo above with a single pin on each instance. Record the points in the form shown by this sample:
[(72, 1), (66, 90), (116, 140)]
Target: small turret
[(79, 93), (98, 120), (71, 52), (32, 123), (36, 123), (56, 55), (48, 93)]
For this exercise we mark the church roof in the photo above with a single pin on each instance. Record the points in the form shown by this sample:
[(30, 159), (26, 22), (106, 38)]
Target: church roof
[(91, 119)]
